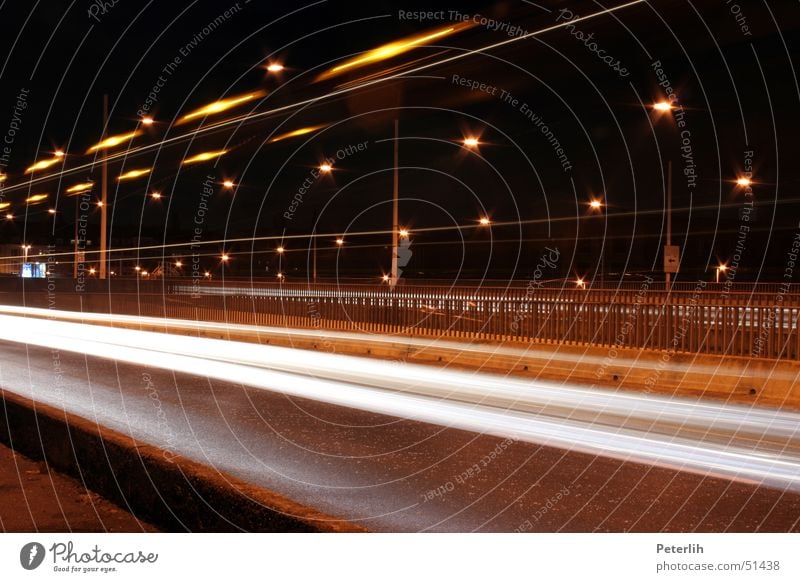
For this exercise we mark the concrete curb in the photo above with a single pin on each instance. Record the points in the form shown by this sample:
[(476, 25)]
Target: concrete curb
[(171, 492)]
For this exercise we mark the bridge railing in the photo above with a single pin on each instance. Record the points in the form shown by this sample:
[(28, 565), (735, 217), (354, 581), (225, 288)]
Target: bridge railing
[(755, 323)]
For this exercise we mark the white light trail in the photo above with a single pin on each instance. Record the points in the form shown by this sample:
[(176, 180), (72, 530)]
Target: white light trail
[(734, 442)]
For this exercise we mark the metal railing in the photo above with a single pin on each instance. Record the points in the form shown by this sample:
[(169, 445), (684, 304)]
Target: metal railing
[(755, 323)]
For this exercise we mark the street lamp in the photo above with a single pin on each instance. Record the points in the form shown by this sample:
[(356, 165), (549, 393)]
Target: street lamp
[(155, 195), (325, 168), (662, 106), (229, 184), (147, 121), (403, 233), (471, 142), (721, 269), (580, 283), (339, 241), (744, 182), (595, 204), (485, 221), (225, 258), (275, 67), (385, 278)]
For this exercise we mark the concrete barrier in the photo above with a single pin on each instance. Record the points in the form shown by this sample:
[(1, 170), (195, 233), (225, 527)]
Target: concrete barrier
[(171, 492)]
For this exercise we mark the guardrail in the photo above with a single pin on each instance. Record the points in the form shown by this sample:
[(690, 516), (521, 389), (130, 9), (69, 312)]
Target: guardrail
[(750, 324)]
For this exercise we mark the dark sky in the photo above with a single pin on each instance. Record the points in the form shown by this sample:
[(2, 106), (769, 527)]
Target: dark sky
[(732, 65)]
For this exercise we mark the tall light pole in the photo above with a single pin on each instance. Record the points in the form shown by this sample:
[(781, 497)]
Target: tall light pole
[(395, 201), (104, 199)]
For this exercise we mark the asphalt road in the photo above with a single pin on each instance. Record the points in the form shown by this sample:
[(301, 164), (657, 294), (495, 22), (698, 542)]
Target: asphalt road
[(385, 473)]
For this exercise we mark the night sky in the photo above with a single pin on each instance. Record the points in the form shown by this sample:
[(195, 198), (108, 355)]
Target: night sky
[(562, 117)]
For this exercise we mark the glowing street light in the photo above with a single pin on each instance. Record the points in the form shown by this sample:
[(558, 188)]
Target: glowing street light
[(221, 105), (204, 157), (100, 203), (147, 121), (296, 133), (280, 250), (225, 258), (80, 188), (662, 106), (386, 278), (3, 177), (281, 276), (178, 264), (403, 233), (36, 198), (9, 216), (229, 184), (44, 164), (137, 268), (207, 275), (471, 142), (132, 174), (275, 67), (744, 182), (340, 241), (113, 141), (155, 195), (485, 221), (595, 204), (92, 270), (721, 269), (580, 283), (59, 153), (51, 210), (325, 168)]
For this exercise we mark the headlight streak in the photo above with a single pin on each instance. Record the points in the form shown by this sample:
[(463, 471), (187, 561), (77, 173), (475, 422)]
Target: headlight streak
[(312, 100), (542, 413)]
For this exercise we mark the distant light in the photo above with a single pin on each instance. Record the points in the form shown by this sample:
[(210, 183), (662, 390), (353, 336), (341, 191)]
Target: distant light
[(100, 203), (137, 268), (113, 273), (225, 258), (403, 233), (155, 195), (51, 210), (113, 141), (385, 278), (340, 241), (145, 273), (744, 182), (133, 174), (281, 276), (723, 268), (206, 274), (394, 49), (275, 68), (325, 168), (44, 164), (228, 184), (280, 250), (35, 198), (204, 157), (59, 153), (221, 105), (92, 271), (296, 133), (595, 204), (79, 188), (471, 142), (9, 216), (662, 106), (178, 264), (147, 121), (485, 221), (580, 283)]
